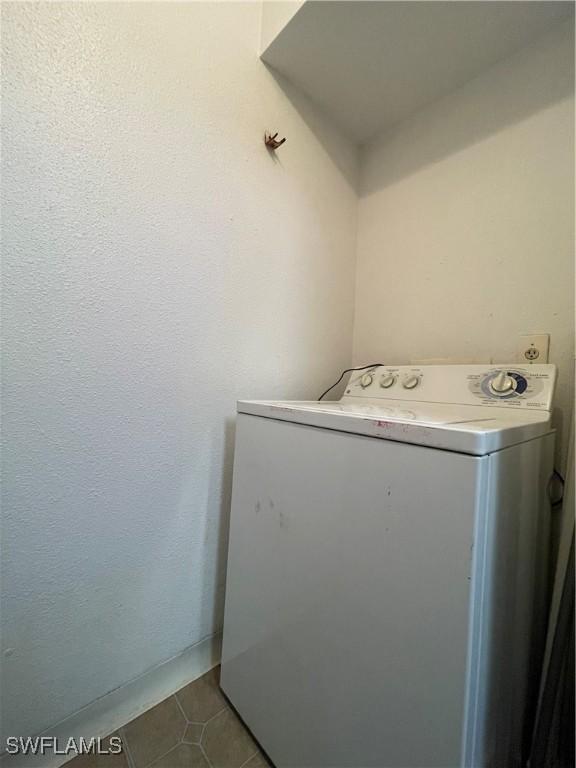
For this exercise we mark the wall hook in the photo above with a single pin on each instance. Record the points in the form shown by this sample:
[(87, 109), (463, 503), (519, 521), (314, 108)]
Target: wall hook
[(271, 141)]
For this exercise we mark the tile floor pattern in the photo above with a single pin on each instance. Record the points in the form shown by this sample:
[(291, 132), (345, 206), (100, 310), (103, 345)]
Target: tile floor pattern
[(195, 728)]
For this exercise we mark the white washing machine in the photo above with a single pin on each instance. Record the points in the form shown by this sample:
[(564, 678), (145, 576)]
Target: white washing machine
[(387, 567)]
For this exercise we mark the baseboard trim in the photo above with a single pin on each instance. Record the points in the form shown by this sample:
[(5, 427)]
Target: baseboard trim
[(115, 709)]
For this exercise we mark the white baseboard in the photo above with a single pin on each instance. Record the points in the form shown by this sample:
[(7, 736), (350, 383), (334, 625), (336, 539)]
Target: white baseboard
[(118, 707)]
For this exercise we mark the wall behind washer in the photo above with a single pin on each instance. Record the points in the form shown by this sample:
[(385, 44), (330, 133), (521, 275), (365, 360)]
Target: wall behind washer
[(466, 222), (158, 264)]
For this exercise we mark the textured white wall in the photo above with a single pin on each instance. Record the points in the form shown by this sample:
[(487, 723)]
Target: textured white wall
[(158, 265), (466, 222)]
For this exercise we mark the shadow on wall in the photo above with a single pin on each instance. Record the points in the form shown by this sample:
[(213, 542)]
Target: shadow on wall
[(223, 476), (342, 152), (204, 520), (531, 80)]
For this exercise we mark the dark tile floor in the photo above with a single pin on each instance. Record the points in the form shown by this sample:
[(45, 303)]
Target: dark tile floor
[(195, 728)]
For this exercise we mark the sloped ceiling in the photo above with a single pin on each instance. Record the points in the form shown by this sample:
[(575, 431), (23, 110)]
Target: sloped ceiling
[(370, 64)]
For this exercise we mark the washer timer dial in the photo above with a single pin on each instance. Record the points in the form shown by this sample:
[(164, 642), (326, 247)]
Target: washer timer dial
[(504, 384)]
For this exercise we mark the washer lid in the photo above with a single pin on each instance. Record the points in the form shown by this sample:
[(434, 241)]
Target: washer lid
[(477, 430)]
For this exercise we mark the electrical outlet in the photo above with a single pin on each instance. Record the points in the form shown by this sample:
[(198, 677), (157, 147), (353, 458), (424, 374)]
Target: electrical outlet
[(533, 348)]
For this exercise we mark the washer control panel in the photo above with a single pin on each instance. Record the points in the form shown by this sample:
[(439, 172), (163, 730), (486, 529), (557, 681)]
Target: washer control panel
[(517, 386)]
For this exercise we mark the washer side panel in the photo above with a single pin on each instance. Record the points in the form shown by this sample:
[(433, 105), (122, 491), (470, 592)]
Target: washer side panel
[(509, 604)]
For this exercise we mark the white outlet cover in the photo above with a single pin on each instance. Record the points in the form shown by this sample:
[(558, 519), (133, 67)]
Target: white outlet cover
[(533, 348)]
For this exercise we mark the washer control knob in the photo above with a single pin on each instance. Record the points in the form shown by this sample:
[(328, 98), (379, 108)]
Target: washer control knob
[(366, 380), (387, 380), (501, 384), (411, 381)]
